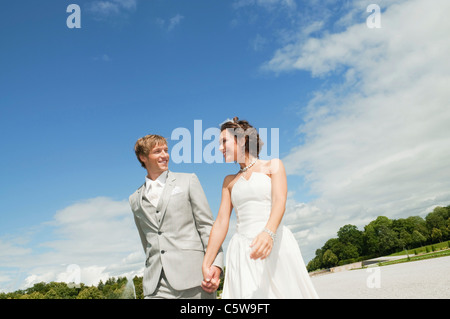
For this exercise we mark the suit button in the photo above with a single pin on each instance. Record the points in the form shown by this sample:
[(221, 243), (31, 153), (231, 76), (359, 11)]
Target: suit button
[(163, 251), (159, 233), (157, 211)]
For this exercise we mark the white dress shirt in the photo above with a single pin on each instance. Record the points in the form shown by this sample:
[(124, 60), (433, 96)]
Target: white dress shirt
[(153, 189)]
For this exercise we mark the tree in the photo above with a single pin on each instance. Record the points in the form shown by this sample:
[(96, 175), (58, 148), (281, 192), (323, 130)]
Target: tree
[(314, 264), (52, 294), (349, 251), (329, 259), (389, 242), (350, 235), (100, 285), (90, 293), (39, 287), (140, 289), (418, 239), (436, 235), (405, 238), (380, 237), (437, 218), (371, 240), (62, 290), (416, 223), (33, 295)]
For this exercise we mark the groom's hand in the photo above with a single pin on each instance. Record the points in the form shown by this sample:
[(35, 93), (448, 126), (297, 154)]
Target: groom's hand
[(211, 279)]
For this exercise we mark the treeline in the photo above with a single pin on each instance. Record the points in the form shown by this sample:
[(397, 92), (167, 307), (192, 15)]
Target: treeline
[(113, 288), (381, 237)]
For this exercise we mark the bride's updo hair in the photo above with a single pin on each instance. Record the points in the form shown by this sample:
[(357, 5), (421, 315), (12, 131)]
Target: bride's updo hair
[(240, 129)]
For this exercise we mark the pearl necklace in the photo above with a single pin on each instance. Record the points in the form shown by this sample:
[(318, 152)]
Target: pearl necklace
[(248, 166)]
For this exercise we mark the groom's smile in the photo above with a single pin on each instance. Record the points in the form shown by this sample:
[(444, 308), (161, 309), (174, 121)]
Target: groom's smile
[(163, 164), (157, 161), (161, 155)]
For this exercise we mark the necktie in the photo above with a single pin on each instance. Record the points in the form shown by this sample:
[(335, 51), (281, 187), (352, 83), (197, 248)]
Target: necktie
[(154, 193)]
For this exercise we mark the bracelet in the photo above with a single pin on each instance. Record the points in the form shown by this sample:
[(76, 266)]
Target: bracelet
[(272, 235)]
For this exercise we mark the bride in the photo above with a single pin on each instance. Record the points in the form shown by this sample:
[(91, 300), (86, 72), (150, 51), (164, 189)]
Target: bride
[(263, 257)]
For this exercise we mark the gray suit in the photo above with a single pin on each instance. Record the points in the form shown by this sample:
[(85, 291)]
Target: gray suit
[(174, 234)]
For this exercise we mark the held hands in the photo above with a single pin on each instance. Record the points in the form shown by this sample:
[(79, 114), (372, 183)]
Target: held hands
[(211, 278), (262, 246)]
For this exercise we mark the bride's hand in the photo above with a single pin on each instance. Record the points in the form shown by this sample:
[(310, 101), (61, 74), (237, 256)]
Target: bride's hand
[(211, 278), (262, 246)]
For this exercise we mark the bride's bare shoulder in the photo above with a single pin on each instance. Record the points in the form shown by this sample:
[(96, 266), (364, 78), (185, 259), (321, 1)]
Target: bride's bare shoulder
[(272, 166), (228, 181)]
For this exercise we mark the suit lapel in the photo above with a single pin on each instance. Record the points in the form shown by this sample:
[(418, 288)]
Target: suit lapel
[(139, 196), (165, 196), (140, 211)]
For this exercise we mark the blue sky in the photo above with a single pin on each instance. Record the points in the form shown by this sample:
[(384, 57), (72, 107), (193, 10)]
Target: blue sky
[(362, 115), (80, 98)]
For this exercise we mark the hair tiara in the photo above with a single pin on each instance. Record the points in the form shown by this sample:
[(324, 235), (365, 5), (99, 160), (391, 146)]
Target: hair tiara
[(233, 120)]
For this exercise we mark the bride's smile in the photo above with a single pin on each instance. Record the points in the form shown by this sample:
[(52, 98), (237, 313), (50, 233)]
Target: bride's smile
[(227, 146)]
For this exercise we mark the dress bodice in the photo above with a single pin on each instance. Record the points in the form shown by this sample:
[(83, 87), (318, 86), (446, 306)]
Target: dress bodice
[(252, 202)]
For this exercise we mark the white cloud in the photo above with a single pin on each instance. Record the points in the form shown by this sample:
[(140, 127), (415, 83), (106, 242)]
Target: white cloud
[(103, 9), (102, 58), (268, 4), (174, 21), (377, 143), (258, 43), (9, 249), (91, 240), (171, 23), (97, 235)]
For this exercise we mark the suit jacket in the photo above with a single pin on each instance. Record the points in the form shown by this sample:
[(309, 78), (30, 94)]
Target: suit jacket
[(174, 234)]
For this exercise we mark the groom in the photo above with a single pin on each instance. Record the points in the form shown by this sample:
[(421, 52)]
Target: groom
[(174, 220)]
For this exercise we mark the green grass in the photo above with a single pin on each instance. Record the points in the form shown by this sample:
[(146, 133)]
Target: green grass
[(436, 254), (423, 249)]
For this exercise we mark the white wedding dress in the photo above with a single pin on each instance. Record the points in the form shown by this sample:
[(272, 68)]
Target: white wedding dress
[(283, 273)]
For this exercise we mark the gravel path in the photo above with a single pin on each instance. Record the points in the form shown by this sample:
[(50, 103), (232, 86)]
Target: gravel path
[(428, 278)]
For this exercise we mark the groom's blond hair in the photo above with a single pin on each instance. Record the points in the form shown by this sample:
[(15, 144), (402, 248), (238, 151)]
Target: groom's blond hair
[(145, 144)]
